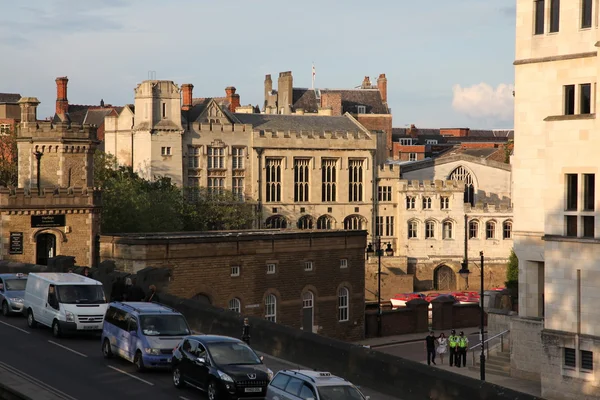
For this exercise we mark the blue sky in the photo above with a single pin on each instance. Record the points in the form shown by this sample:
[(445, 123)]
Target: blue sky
[(448, 63)]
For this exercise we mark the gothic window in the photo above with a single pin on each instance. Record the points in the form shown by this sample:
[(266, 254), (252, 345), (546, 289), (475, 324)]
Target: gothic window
[(426, 203), (354, 222), (276, 222), (413, 227), (328, 179), (237, 158), (301, 174), (507, 230), (410, 202), (305, 222), (461, 174), (355, 180), (216, 158), (273, 179), (447, 230), (473, 230), (325, 222), (430, 230), (490, 230)]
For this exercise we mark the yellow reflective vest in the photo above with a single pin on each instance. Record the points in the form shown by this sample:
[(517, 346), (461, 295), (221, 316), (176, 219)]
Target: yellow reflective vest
[(453, 341), (463, 342)]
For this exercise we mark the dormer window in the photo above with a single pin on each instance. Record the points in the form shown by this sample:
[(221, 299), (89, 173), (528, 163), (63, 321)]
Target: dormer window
[(432, 141), (361, 109), (406, 142)]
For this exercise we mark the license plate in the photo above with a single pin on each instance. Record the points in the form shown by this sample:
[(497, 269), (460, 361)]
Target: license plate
[(253, 390), (90, 327)]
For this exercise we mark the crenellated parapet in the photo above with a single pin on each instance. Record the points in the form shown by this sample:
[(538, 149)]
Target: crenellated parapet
[(50, 197), (431, 186), (234, 128), (312, 134), (52, 131), (482, 208)]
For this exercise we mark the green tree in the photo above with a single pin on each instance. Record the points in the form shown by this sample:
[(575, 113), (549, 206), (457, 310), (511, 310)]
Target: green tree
[(207, 211), (512, 275), (8, 159)]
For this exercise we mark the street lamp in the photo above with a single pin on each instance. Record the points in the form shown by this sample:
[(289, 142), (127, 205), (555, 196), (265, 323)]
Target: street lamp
[(464, 272), (389, 252)]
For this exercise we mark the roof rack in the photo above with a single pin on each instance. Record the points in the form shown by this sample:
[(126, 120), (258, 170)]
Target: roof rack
[(300, 373), (139, 311)]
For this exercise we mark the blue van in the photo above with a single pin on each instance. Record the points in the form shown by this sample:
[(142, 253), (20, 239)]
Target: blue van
[(143, 333)]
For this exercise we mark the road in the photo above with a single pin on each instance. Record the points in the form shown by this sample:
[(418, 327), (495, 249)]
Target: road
[(75, 368)]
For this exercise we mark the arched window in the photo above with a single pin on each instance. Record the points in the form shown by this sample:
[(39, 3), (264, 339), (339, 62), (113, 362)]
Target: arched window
[(271, 308), (410, 202), (473, 230), (447, 230), (325, 222), (235, 305), (276, 222), (305, 222), (354, 223), (426, 203), (490, 230), (308, 299), (507, 230), (413, 227), (462, 174), (343, 304), (429, 229)]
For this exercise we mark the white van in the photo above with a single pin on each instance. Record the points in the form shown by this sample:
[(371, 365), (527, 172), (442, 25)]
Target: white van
[(66, 302)]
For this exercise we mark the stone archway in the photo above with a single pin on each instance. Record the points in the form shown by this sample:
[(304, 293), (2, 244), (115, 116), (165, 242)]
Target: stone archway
[(444, 278), (202, 298), (45, 248)]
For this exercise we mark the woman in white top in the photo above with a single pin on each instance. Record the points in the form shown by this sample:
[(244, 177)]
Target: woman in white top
[(442, 347)]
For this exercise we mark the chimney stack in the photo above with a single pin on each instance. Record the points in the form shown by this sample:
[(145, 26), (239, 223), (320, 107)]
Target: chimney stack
[(232, 98), (187, 89), (366, 83), (62, 103), (28, 109), (382, 86)]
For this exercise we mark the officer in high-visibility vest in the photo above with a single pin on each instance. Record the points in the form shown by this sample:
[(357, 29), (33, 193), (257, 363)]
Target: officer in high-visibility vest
[(452, 342), (463, 343)]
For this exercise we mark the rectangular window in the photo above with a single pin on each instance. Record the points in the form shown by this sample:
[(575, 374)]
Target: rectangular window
[(194, 157), (194, 181), (571, 225), (270, 268), (572, 192), (412, 229), (164, 110), (301, 174), (444, 202), (308, 266), (569, 355), (406, 142), (389, 226), (586, 14), (412, 157), (361, 109), (328, 180), (585, 98), (589, 192), (431, 141), (554, 15), (410, 202), (569, 99), (235, 271), (539, 17), (343, 263), (588, 226), (237, 187), (4, 129), (273, 180), (165, 151), (587, 360), (216, 185), (378, 226), (384, 193), (355, 180), (216, 157), (237, 158)]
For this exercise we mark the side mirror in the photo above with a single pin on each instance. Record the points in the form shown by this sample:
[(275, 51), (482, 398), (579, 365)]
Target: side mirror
[(201, 360), (368, 397), (262, 358)]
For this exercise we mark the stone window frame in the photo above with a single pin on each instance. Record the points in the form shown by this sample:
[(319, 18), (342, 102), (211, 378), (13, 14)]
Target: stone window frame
[(412, 156), (426, 203), (270, 301), (343, 306), (413, 229), (490, 230), (343, 263), (309, 266), (306, 222), (474, 226), (325, 222), (430, 229), (444, 202), (577, 194), (235, 305), (235, 270), (448, 234), (166, 151), (411, 202), (271, 267), (507, 229)]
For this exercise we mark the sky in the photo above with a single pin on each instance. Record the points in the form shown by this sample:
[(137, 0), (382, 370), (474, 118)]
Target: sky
[(448, 63)]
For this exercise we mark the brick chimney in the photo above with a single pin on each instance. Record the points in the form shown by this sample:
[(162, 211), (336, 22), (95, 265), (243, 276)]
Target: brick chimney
[(413, 131), (382, 86), (232, 98), (366, 83), (187, 89), (62, 103)]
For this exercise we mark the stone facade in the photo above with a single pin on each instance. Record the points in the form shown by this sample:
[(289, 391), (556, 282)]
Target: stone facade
[(556, 196), (307, 275)]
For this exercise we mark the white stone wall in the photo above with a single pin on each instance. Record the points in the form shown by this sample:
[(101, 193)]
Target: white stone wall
[(526, 348)]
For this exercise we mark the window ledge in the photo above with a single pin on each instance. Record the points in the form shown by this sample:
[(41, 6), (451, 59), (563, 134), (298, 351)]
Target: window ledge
[(574, 117), (572, 239)]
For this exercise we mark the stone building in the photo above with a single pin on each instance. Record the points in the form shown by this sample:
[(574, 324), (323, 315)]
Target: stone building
[(54, 210), (556, 207), (10, 113), (312, 280)]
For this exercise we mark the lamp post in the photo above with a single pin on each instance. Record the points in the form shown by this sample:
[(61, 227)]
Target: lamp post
[(464, 272), (390, 252), (38, 156)]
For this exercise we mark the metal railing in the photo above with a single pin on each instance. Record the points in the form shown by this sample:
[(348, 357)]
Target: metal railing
[(486, 344)]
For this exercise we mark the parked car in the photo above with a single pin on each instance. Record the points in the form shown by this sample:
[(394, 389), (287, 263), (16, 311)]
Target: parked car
[(143, 333), (223, 367), (12, 293), (65, 302), (305, 384)]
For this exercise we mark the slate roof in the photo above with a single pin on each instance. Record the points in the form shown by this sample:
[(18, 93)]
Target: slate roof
[(298, 122), (351, 98), (493, 154), (9, 98), (96, 116), (475, 135), (202, 100)]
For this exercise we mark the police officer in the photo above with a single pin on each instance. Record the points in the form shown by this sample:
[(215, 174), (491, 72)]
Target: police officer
[(452, 342), (463, 343)]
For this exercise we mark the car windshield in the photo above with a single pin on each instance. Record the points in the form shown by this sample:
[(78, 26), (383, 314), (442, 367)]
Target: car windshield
[(164, 325), (80, 294), (15, 284), (345, 392), (233, 353)]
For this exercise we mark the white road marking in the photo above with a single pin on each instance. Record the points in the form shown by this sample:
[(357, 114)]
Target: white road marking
[(383, 346), (67, 348), (14, 327), (281, 360), (183, 398), (36, 381), (130, 375)]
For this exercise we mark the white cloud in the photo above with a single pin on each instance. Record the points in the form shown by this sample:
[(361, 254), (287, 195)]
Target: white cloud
[(482, 101)]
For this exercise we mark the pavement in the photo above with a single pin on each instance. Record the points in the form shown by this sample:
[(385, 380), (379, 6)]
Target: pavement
[(74, 368)]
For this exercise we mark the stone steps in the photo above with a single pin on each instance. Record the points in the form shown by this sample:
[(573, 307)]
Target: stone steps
[(497, 364)]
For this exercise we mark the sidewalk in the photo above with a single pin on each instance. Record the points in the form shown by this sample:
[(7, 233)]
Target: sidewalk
[(414, 337)]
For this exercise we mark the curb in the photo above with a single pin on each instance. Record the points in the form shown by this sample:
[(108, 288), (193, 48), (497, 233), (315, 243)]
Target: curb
[(375, 346)]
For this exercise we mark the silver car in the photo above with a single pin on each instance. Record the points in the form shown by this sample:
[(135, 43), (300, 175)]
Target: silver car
[(311, 385), (12, 292)]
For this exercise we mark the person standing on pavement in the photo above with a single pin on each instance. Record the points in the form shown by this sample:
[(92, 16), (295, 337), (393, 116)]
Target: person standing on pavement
[(442, 347), (246, 331), (463, 343), (452, 342), (152, 296), (430, 348)]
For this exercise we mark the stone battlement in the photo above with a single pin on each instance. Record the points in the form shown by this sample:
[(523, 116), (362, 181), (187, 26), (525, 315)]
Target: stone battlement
[(52, 197), (344, 135), (57, 130), (225, 127), (488, 208), (428, 186)]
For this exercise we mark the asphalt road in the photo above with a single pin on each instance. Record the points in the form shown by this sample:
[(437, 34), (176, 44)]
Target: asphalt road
[(75, 367)]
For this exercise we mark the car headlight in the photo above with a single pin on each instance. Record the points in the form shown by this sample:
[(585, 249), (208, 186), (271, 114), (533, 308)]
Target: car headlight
[(154, 352), (16, 300), (270, 373), (70, 317), (224, 376)]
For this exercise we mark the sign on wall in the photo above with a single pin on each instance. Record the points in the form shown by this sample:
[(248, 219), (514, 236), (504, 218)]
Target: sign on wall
[(48, 221), (16, 243)]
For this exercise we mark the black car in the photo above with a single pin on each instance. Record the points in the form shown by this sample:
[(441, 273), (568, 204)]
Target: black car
[(223, 367)]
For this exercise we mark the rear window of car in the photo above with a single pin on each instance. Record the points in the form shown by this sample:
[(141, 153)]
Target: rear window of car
[(280, 381)]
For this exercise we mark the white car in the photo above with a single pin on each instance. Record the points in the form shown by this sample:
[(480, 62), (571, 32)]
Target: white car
[(306, 385)]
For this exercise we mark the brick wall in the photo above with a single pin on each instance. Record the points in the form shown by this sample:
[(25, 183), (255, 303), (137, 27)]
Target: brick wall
[(333, 100), (201, 265)]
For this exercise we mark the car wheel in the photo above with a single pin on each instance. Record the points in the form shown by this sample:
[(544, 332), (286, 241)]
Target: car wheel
[(5, 310), (31, 320), (56, 329), (212, 392), (106, 350), (178, 378), (139, 361)]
